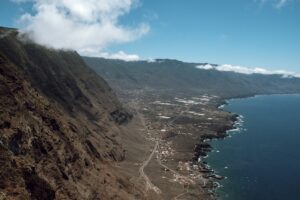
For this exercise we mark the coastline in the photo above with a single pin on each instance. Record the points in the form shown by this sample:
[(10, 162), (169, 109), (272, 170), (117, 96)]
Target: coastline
[(237, 120), (204, 147), (215, 177)]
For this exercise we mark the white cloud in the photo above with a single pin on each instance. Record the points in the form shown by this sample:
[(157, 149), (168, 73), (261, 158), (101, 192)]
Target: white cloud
[(88, 26), (242, 70), (206, 67), (121, 55), (248, 70)]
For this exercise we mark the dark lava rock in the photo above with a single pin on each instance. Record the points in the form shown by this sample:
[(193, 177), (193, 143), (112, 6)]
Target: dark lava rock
[(120, 116), (38, 188)]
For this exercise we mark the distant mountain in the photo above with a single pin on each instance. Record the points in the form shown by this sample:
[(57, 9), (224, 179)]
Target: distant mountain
[(59, 126), (165, 74)]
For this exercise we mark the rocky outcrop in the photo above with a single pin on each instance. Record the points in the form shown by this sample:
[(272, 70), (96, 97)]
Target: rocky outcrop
[(201, 150), (121, 117)]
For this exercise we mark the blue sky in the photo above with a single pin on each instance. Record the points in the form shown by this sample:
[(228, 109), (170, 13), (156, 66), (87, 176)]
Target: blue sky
[(254, 33)]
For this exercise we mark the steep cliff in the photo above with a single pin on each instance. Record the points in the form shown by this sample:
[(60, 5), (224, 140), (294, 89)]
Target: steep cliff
[(59, 126)]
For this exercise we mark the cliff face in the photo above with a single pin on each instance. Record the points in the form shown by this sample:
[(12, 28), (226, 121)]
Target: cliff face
[(59, 126)]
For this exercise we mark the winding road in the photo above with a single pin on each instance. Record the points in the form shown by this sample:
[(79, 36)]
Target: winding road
[(149, 184)]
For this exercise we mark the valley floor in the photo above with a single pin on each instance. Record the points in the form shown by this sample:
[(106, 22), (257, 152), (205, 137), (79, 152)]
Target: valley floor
[(165, 155)]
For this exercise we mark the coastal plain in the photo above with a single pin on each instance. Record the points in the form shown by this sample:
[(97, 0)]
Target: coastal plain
[(173, 135)]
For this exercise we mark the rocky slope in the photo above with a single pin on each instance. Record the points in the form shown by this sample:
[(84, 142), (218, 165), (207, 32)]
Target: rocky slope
[(60, 126)]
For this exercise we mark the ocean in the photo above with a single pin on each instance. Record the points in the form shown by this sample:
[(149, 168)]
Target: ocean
[(261, 160)]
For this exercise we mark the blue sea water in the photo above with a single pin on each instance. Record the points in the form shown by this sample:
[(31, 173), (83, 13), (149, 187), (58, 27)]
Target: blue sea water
[(262, 161)]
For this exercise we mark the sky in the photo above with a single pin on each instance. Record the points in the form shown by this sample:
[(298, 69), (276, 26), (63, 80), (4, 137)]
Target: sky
[(252, 33)]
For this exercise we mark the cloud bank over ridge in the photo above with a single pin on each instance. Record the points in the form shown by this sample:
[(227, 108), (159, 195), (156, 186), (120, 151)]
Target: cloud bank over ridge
[(248, 70), (87, 26)]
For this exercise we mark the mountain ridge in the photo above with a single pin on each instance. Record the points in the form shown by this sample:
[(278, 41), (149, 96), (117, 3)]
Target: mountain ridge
[(178, 75)]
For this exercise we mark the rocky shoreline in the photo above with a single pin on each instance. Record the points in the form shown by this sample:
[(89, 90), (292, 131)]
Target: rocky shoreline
[(203, 148)]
